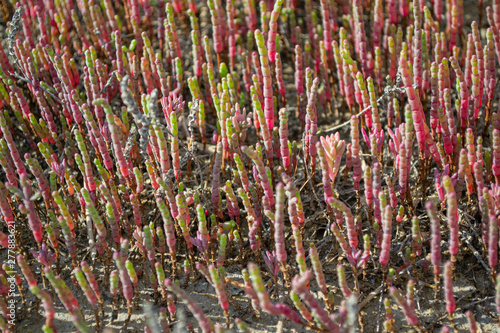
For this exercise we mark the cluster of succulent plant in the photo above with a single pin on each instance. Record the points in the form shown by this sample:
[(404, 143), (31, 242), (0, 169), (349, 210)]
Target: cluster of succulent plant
[(146, 145)]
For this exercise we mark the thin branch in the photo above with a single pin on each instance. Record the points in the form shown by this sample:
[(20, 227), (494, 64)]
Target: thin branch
[(388, 90)]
